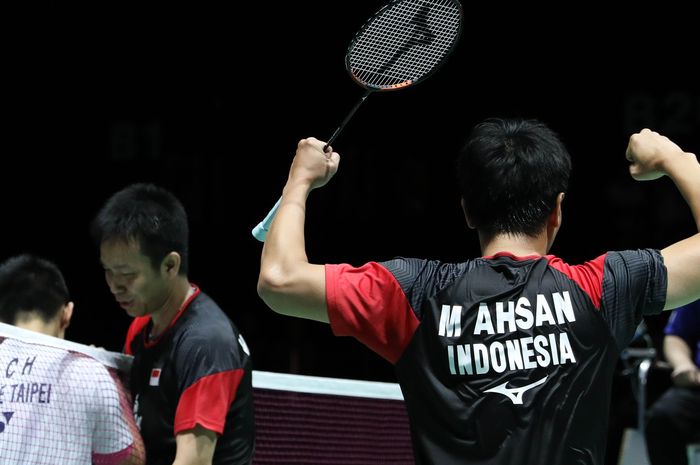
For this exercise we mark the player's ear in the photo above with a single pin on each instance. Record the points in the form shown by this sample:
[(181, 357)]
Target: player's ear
[(466, 214), (171, 264), (65, 316), (556, 216)]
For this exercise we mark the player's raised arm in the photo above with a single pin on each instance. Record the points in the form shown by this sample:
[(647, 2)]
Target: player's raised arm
[(652, 156), (288, 283)]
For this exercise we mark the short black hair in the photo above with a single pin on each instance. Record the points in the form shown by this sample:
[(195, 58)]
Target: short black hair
[(510, 173), (149, 215), (31, 284)]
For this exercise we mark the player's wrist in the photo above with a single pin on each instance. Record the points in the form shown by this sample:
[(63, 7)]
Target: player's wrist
[(298, 184), (677, 162)]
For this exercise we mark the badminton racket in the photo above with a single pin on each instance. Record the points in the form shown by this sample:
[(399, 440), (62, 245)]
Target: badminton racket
[(401, 45)]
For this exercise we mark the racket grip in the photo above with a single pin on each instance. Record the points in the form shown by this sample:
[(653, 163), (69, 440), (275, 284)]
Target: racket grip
[(260, 231)]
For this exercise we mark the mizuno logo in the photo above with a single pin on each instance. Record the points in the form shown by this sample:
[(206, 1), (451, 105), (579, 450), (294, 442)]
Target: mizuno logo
[(515, 394)]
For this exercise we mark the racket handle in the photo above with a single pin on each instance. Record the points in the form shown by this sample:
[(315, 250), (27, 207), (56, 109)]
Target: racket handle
[(260, 231), (345, 121)]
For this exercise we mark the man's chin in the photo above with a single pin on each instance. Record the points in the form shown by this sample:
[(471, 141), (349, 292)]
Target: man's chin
[(134, 311)]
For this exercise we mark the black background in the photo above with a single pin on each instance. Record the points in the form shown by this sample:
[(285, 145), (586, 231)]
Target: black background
[(210, 102)]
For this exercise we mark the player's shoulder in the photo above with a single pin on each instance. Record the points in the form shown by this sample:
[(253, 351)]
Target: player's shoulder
[(80, 359), (205, 321), (207, 312), (555, 261), (615, 263), (613, 258), (418, 276), (85, 370), (50, 356)]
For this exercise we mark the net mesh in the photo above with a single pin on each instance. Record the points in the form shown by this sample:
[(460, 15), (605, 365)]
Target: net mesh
[(404, 42), (62, 403), (324, 421)]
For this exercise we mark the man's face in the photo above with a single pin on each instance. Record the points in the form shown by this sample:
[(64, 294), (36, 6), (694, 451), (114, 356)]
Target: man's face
[(138, 287)]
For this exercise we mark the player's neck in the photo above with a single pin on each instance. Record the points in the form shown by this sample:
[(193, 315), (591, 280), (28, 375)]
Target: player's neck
[(518, 245), (50, 328), (176, 299)]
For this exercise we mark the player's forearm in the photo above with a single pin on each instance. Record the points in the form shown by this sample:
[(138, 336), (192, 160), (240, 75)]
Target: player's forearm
[(192, 461), (284, 250), (677, 352), (285, 246), (195, 446)]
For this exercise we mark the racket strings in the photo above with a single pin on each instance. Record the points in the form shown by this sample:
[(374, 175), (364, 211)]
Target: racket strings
[(404, 43)]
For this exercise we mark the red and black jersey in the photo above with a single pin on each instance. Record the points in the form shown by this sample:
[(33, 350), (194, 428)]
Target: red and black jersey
[(196, 372), (502, 360)]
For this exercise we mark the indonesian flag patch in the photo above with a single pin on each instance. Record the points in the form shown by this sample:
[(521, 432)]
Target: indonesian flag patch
[(155, 377)]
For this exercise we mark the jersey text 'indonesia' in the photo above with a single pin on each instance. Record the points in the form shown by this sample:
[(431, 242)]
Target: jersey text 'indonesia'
[(544, 349)]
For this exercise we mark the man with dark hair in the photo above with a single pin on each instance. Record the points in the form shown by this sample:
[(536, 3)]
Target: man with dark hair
[(73, 410), (191, 376), (507, 358), (34, 295)]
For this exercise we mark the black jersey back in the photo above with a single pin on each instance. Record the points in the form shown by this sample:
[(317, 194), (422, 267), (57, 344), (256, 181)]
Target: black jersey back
[(197, 372), (502, 360)]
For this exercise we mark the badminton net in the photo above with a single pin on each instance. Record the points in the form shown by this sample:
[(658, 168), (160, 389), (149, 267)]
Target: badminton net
[(329, 421)]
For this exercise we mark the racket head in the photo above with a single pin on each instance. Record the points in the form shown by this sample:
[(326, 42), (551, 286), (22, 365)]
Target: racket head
[(404, 43)]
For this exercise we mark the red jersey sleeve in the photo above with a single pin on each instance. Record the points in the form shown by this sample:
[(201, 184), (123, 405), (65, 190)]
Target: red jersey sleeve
[(369, 304)]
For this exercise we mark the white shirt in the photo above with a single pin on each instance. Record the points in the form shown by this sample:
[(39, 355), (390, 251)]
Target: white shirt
[(58, 407)]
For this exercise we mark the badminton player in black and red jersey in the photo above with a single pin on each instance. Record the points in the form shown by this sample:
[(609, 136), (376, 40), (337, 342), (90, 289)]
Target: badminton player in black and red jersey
[(504, 359), (191, 374)]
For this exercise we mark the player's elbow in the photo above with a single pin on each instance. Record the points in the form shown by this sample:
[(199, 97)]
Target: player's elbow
[(273, 284)]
